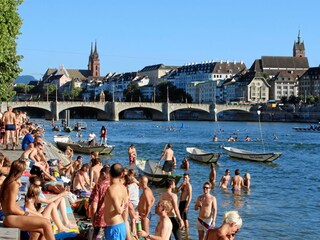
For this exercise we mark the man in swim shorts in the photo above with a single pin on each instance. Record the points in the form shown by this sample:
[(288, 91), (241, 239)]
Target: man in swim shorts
[(116, 205), (9, 120), (185, 198), (207, 204), (170, 161)]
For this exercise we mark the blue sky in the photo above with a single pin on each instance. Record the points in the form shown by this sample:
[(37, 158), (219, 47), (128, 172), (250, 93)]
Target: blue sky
[(133, 34)]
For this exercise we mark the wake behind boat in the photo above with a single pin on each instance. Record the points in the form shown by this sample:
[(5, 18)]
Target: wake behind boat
[(81, 146), (251, 156), (202, 156), (154, 173)]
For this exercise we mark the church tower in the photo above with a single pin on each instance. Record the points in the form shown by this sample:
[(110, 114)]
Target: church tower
[(298, 47), (94, 61)]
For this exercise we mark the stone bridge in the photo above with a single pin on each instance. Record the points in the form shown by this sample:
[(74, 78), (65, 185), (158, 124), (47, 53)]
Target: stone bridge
[(111, 110)]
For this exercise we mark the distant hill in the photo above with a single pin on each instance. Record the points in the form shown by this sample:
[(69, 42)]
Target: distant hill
[(24, 79)]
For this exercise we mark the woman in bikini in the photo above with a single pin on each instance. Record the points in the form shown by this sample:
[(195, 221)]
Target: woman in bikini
[(33, 205), (15, 216), (58, 199)]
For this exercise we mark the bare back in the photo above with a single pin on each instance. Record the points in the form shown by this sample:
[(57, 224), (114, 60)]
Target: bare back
[(9, 118), (171, 197), (237, 182)]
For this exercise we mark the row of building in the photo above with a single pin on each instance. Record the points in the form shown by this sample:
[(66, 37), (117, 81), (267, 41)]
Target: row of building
[(270, 77)]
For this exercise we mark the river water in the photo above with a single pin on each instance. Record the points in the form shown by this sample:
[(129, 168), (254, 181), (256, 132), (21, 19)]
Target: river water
[(284, 199)]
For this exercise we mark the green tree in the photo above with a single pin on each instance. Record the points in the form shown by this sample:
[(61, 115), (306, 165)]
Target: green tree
[(132, 93), (10, 23), (293, 99), (310, 99), (175, 94)]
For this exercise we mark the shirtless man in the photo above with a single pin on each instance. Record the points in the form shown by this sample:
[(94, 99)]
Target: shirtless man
[(237, 181), (225, 180), (96, 166), (185, 164), (185, 198), (232, 223), (9, 121), (116, 205), (132, 153), (164, 226), (208, 209), (170, 161), (145, 203), (174, 214)]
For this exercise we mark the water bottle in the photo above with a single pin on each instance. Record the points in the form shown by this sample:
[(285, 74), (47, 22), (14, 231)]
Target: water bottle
[(139, 227)]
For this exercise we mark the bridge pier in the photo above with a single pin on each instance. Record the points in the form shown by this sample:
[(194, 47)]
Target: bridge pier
[(111, 110), (54, 110)]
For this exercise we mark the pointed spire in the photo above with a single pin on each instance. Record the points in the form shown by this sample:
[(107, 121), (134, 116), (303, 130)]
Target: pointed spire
[(91, 49), (95, 48), (299, 37)]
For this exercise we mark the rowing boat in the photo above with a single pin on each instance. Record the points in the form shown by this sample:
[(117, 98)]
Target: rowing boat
[(251, 156), (154, 173), (202, 156)]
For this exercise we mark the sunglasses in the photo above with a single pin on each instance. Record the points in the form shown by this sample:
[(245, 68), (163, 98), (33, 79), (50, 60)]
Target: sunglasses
[(206, 187)]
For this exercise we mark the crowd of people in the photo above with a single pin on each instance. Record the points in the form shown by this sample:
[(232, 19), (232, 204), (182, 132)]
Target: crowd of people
[(120, 204)]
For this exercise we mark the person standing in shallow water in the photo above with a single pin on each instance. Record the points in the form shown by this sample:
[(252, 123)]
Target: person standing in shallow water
[(212, 175), (132, 153), (185, 198), (224, 181), (207, 206), (237, 181), (170, 160)]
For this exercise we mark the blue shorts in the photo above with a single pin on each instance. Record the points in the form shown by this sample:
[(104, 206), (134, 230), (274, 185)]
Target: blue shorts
[(10, 127), (116, 232)]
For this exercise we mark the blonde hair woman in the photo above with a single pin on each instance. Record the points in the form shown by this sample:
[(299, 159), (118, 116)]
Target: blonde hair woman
[(247, 180), (232, 223)]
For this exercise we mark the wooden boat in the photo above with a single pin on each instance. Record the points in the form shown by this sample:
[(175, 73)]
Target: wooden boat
[(313, 129), (80, 126), (202, 156), (251, 156), (82, 147), (153, 172)]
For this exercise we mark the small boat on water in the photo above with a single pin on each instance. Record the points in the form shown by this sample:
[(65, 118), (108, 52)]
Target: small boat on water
[(61, 138), (202, 156), (83, 147), (153, 172), (251, 156), (56, 128), (312, 128), (80, 126)]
